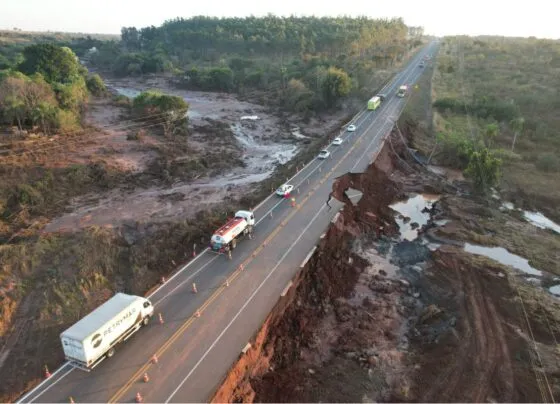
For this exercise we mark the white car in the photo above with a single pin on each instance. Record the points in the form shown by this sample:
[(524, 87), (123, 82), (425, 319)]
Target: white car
[(351, 128), (337, 141), (323, 154), (284, 190)]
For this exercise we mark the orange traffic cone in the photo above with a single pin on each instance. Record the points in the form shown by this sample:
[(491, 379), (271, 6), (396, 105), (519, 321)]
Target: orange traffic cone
[(241, 267), (197, 314), (160, 318), (163, 279), (194, 288), (293, 202), (139, 398), (154, 359), (227, 283), (146, 378), (47, 373), (71, 400)]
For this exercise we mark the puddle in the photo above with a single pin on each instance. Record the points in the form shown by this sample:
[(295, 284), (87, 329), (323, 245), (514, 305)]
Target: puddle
[(555, 290), (504, 257), (261, 158), (297, 134), (541, 221), (412, 208), (450, 173)]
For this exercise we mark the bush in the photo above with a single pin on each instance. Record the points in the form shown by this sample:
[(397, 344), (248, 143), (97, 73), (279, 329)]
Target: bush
[(548, 162), (507, 155), (95, 85)]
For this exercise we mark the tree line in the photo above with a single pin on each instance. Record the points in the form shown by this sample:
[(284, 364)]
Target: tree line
[(301, 58)]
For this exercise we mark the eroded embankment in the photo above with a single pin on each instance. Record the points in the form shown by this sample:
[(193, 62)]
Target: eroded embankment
[(375, 318), (332, 273)]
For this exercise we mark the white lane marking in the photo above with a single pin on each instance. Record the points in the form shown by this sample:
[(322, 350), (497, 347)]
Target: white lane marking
[(21, 400), (188, 264), (370, 143), (48, 388), (244, 306), (185, 281)]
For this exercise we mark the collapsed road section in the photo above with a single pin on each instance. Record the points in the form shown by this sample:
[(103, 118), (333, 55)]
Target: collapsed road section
[(374, 316)]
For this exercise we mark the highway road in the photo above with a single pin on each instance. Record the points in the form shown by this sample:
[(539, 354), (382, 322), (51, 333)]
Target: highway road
[(204, 333)]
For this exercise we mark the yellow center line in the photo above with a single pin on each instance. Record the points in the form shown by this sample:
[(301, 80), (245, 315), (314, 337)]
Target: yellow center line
[(137, 375)]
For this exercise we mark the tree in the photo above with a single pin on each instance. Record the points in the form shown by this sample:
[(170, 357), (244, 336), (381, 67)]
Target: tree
[(484, 169), (517, 125), (95, 85), (337, 84), (171, 110), (491, 132), (56, 64), (11, 100)]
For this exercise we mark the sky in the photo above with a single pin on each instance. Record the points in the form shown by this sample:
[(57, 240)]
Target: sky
[(438, 17)]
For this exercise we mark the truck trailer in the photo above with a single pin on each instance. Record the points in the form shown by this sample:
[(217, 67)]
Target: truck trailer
[(94, 338), (225, 238)]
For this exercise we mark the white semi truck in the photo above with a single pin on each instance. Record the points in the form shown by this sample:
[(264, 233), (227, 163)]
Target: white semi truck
[(92, 339), (225, 238)]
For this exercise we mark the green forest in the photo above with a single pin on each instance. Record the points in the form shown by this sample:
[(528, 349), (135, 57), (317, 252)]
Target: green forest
[(307, 63)]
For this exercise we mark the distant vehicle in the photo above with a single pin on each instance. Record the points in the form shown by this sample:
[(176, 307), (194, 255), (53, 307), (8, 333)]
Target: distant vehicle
[(351, 128), (284, 190), (323, 154), (94, 337), (382, 96), (421, 64), (337, 141), (225, 238), (402, 91), (373, 103)]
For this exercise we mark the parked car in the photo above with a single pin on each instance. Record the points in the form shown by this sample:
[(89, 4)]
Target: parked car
[(351, 128), (323, 154), (284, 190), (337, 141)]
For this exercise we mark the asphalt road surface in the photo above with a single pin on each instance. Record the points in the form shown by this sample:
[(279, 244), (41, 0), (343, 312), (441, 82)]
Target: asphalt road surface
[(233, 296)]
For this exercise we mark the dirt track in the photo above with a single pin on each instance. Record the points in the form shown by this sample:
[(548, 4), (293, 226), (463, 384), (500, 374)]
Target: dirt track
[(481, 364)]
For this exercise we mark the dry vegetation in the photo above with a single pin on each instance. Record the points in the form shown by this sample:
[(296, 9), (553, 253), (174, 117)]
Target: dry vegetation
[(498, 80)]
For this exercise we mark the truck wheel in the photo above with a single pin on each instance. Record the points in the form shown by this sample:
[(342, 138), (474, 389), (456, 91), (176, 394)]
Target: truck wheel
[(233, 244), (146, 321), (111, 352)]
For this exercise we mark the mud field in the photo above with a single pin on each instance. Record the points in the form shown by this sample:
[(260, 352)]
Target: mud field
[(231, 147), (394, 307)]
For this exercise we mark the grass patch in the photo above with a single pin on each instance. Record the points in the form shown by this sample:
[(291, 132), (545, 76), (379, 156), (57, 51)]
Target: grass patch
[(497, 80)]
